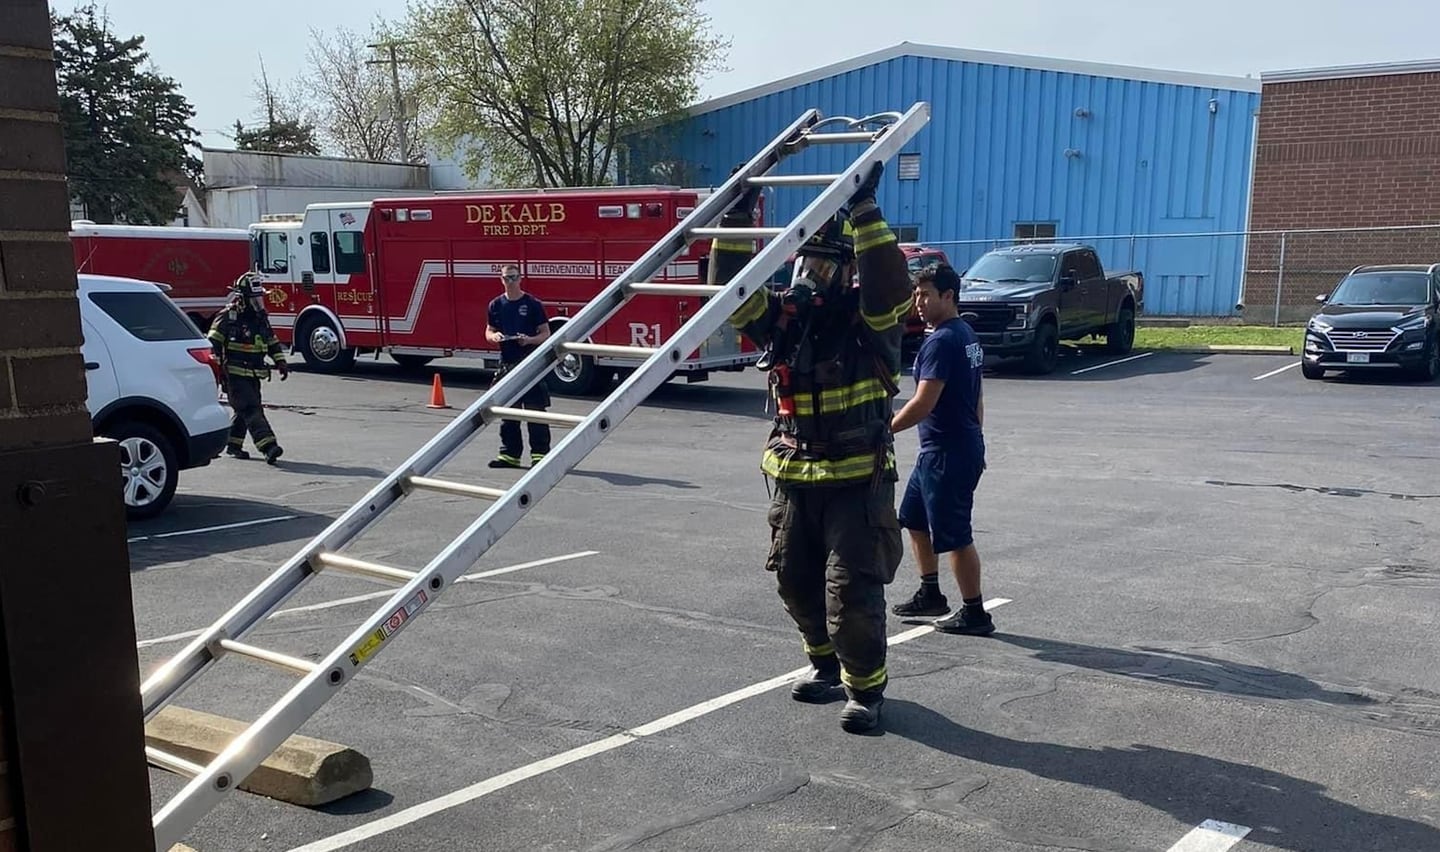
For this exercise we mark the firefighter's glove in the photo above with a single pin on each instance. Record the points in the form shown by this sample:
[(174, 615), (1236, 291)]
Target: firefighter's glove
[(866, 191), (283, 369)]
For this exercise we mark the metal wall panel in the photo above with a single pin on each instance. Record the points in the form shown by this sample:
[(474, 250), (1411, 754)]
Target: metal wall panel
[(1095, 155)]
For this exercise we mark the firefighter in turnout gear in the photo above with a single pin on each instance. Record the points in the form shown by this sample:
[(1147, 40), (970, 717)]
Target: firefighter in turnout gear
[(241, 337), (832, 351)]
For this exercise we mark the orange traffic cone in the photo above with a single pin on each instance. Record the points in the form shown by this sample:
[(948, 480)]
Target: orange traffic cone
[(437, 394)]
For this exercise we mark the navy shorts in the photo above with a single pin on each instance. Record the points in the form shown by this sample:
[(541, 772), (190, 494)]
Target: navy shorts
[(940, 496)]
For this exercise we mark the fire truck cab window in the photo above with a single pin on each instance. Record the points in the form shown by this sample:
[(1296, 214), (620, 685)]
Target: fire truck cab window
[(319, 251), (277, 252), (349, 255)]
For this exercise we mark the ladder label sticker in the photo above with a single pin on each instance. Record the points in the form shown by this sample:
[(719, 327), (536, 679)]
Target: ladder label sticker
[(365, 650)]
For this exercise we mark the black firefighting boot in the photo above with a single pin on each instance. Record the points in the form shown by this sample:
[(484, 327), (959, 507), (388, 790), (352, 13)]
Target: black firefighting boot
[(862, 712), (273, 454), (821, 684), (235, 452)]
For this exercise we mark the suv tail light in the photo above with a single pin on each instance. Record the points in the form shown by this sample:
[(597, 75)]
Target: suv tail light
[(206, 355)]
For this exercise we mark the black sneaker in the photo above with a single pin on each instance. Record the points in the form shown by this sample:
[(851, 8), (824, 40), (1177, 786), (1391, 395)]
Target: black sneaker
[(924, 602), (860, 717), (970, 622), (822, 684)]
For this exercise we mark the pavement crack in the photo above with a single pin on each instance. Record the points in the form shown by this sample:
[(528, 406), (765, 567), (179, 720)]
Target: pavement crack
[(790, 782), (1325, 490)]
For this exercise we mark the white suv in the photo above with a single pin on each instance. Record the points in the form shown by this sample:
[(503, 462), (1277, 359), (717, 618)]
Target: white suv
[(151, 379)]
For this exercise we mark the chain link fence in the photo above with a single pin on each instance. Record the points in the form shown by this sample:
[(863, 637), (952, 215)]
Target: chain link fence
[(1259, 277)]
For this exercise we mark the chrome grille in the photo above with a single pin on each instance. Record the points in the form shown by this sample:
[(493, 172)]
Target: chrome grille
[(986, 318), (1347, 340)]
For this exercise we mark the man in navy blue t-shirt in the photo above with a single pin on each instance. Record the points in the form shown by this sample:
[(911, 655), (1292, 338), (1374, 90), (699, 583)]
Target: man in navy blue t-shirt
[(516, 320), (949, 409)]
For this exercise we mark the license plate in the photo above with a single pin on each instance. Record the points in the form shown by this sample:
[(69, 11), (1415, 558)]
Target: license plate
[(1357, 358)]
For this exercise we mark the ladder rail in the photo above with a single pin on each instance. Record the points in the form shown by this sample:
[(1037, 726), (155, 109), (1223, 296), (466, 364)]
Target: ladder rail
[(175, 675), (308, 695)]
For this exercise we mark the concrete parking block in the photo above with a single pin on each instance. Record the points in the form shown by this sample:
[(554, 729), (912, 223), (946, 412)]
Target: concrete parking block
[(303, 771)]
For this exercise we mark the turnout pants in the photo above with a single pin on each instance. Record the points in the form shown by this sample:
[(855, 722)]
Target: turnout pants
[(249, 414), (535, 399), (833, 551)]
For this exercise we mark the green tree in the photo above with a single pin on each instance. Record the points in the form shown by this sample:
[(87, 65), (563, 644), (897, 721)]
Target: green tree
[(285, 127), (540, 91), (128, 137)]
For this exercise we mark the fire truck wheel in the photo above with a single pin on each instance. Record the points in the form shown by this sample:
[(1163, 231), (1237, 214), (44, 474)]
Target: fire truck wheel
[(319, 342), (574, 375)]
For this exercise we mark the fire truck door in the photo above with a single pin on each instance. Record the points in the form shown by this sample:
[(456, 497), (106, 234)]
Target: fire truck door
[(321, 258), (354, 284)]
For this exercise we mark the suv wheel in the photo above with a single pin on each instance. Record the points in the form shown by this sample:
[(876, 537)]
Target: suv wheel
[(1430, 370), (1045, 351), (1312, 371), (148, 465)]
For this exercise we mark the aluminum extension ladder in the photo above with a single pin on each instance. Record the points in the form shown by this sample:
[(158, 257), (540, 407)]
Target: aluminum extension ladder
[(883, 135)]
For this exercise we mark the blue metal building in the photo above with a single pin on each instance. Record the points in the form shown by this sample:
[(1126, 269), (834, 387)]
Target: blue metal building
[(1018, 147)]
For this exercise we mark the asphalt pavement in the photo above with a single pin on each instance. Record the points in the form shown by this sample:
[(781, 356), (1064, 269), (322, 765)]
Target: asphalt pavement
[(1215, 586)]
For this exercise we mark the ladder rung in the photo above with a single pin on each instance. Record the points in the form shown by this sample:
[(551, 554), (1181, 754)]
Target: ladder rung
[(456, 488), (738, 233), (636, 352), (167, 761), (648, 288), (274, 658), (365, 569), (837, 138), (547, 417), (794, 180)]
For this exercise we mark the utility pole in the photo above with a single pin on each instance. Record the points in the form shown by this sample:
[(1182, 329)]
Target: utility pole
[(394, 63)]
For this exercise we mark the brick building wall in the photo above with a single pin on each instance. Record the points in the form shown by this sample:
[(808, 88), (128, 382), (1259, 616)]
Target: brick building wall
[(64, 579), (1342, 150)]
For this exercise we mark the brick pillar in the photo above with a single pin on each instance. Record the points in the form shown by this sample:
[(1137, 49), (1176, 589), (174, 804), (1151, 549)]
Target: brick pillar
[(71, 735)]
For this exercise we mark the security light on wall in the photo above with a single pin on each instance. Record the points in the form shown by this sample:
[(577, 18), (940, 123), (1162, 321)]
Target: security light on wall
[(1072, 153), (1082, 112)]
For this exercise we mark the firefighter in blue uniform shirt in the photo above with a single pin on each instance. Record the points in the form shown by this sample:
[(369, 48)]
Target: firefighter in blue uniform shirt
[(241, 337), (517, 322), (833, 355)]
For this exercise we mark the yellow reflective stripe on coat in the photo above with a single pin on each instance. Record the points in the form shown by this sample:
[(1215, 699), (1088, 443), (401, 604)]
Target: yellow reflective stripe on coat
[(819, 650), (880, 322), (870, 681), (732, 245), (753, 309), (837, 400), (254, 348), (872, 235), (823, 471)]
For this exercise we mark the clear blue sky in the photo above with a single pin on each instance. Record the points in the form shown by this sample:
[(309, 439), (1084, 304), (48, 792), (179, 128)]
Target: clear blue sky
[(214, 54)]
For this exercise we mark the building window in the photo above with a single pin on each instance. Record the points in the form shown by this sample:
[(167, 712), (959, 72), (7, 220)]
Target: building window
[(907, 233), (1034, 232), (908, 167), (349, 253)]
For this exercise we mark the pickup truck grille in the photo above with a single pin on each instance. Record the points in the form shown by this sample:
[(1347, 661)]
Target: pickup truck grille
[(986, 319), (1347, 340)]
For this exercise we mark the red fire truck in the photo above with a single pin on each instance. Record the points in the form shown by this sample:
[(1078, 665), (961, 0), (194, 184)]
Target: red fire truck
[(413, 277), (197, 264)]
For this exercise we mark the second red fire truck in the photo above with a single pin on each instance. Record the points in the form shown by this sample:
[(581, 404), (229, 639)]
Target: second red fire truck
[(413, 277)]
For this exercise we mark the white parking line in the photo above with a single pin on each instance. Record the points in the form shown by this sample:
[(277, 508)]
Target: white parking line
[(468, 578), (255, 523), (575, 755), (1211, 836), (1276, 372), (1112, 363)]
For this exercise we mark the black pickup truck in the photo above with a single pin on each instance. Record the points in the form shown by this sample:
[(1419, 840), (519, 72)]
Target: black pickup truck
[(1026, 299)]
